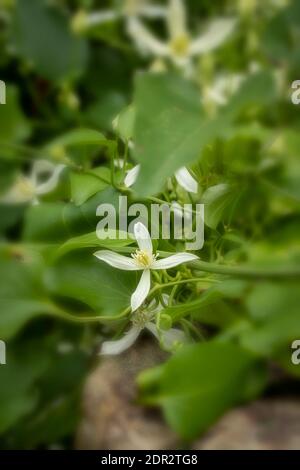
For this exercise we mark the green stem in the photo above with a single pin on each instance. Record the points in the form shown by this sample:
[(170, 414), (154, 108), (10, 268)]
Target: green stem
[(57, 312), (242, 272), (125, 159), (192, 328), (248, 272)]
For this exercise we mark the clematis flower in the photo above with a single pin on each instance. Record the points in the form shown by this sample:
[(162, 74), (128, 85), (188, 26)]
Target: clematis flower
[(144, 318), (142, 260), (180, 48), (82, 20), (223, 88), (183, 177), (29, 188)]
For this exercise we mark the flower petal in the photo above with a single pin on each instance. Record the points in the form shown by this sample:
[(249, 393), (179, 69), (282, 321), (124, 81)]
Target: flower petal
[(177, 19), (42, 166), (217, 32), (51, 183), (81, 21), (173, 261), (185, 179), (131, 176), (120, 345), (117, 261), (153, 11), (21, 192), (118, 162), (99, 17), (142, 237), (144, 39), (172, 337), (142, 290), (168, 338)]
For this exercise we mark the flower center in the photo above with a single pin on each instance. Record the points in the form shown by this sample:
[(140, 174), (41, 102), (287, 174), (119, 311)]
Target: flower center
[(143, 259), (180, 45), (132, 7), (140, 318), (25, 187)]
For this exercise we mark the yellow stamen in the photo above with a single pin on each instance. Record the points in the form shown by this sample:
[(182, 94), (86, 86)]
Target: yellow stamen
[(25, 187), (131, 7), (79, 22), (143, 259), (180, 45)]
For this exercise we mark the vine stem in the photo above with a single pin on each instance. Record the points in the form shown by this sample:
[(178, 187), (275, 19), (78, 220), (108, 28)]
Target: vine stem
[(242, 272), (59, 313), (54, 311)]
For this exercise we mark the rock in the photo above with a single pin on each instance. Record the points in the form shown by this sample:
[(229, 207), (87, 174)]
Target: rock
[(261, 425), (111, 418)]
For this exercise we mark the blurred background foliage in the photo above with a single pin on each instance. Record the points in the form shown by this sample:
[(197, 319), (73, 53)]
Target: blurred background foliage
[(64, 90)]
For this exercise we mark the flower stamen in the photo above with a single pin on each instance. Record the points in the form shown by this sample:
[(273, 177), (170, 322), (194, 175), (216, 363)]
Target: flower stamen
[(26, 187), (143, 259), (180, 45)]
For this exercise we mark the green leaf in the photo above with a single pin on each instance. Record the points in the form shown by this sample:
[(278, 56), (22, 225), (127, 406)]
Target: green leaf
[(258, 90), (18, 395), (170, 128), (211, 297), (56, 221), (181, 310), (198, 384), (9, 215), (84, 278), (45, 222), (22, 297), (16, 313), (125, 123), (14, 125), (104, 109), (280, 36), (85, 185), (48, 45), (110, 239), (275, 310), (56, 418), (217, 199), (78, 138)]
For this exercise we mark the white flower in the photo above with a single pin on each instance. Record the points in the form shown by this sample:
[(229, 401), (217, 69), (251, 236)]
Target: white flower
[(142, 260), (29, 188), (226, 85), (145, 319), (183, 177), (82, 20), (180, 48), (131, 176), (223, 88)]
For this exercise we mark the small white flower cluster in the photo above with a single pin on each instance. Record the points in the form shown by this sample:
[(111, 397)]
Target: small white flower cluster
[(145, 319), (82, 21), (179, 47), (146, 261), (30, 188), (183, 178)]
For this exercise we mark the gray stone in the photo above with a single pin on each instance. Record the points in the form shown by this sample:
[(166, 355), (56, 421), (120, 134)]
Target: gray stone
[(111, 417)]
